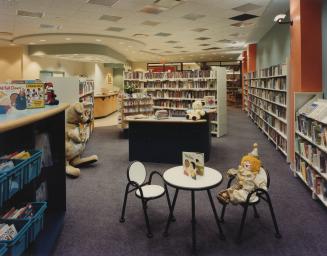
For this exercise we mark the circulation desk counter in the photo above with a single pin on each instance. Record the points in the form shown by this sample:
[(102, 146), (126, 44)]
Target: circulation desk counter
[(163, 141), (105, 104)]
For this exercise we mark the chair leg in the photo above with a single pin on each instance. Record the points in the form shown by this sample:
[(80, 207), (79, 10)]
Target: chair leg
[(242, 223), (170, 217), (256, 214), (277, 234), (222, 215), (144, 204), (122, 218), (221, 233), (169, 204)]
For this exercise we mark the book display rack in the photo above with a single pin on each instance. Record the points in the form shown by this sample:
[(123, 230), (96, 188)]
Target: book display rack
[(311, 148), (267, 104), (175, 91)]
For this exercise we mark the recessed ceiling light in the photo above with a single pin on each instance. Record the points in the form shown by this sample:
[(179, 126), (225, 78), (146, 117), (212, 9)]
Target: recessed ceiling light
[(68, 39), (98, 40), (12, 44), (43, 40)]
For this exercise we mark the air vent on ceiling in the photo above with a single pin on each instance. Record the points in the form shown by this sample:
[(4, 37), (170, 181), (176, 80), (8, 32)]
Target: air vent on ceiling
[(243, 17), (168, 51), (211, 48), (140, 35), (108, 3), (184, 51), (110, 18), (178, 47), (4, 33), (154, 49), (225, 41), (247, 7), (150, 23), (30, 14), (171, 42), (115, 29), (204, 44), (199, 29), (162, 34), (202, 38), (50, 26), (193, 16), (152, 9)]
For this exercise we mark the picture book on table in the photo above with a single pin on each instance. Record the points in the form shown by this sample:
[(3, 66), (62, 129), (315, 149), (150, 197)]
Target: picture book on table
[(209, 101), (193, 164)]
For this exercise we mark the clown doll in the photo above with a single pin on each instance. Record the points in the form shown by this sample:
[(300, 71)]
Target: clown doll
[(249, 176)]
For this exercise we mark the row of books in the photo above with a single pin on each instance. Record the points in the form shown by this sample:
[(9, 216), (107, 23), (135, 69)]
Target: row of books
[(317, 183), (137, 102), (88, 99), (179, 85), (277, 70), (173, 104), (24, 212), (312, 153), (278, 97), (316, 131), (182, 94), (170, 75), (270, 107), (143, 109), (176, 113), (273, 84), (86, 86)]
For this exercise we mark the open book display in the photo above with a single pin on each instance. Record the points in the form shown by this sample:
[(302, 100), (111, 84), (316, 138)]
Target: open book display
[(193, 164)]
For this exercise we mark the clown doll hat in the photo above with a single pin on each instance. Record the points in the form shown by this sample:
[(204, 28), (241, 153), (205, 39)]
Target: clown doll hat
[(254, 152)]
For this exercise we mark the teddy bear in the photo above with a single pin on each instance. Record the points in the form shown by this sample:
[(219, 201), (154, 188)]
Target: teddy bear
[(76, 117), (197, 111), (249, 176)]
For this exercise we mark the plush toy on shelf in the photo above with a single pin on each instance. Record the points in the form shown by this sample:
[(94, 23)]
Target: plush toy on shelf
[(50, 96), (197, 111), (249, 176), (76, 137)]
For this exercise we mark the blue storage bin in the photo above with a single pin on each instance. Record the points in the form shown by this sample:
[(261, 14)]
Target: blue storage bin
[(37, 220), (14, 179), (19, 244), (32, 166), (3, 249), (2, 189)]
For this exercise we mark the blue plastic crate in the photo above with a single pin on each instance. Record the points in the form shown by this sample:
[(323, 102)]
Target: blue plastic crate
[(2, 189), (14, 179), (37, 220), (32, 166), (19, 244), (3, 249)]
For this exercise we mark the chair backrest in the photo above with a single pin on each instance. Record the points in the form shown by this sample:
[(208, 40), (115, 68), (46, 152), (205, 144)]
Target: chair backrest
[(136, 172), (265, 175)]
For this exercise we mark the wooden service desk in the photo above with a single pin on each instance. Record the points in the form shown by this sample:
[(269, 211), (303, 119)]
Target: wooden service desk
[(104, 105), (163, 141)]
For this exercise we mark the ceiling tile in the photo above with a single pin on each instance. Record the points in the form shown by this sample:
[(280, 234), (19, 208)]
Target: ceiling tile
[(193, 16), (110, 18), (247, 7), (115, 29), (162, 34), (150, 23)]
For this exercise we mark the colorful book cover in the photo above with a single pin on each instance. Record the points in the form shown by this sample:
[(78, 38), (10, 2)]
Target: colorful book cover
[(193, 164), (209, 101)]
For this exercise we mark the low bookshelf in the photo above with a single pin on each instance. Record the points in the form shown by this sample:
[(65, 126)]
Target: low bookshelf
[(311, 147), (176, 91), (268, 104)]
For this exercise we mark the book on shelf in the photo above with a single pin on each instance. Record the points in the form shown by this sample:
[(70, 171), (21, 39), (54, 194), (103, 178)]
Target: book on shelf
[(7, 232)]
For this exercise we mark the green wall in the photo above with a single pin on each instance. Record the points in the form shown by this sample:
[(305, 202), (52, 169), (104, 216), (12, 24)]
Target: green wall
[(274, 47)]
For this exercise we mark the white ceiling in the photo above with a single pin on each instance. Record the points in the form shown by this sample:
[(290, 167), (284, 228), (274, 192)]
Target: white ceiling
[(76, 21)]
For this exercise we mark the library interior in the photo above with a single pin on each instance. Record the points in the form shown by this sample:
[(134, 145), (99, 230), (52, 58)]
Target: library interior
[(163, 127)]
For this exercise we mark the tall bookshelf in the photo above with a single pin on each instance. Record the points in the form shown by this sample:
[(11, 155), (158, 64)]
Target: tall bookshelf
[(245, 95), (234, 85), (268, 104), (311, 147), (176, 91), (86, 96)]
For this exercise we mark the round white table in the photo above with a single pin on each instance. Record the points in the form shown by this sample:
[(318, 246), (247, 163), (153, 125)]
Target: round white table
[(176, 178)]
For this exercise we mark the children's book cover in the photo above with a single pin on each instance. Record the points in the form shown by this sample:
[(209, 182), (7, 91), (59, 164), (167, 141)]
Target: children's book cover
[(193, 164)]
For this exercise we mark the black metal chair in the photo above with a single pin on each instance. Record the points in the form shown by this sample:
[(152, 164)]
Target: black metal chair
[(260, 195), (136, 175)]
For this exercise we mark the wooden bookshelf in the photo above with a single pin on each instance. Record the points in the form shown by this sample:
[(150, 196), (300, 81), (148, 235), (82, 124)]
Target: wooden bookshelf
[(266, 101), (311, 147), (234, 85), (175, 91)]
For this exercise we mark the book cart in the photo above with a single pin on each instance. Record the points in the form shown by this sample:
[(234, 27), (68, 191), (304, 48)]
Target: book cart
[(176, 91), (268, 104), (310, 147), (18, 132)]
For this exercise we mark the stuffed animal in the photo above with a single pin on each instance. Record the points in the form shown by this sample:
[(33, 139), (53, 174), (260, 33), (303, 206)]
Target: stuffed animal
[(249, 176), (76, 139), (197, 111), (50, 96)]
